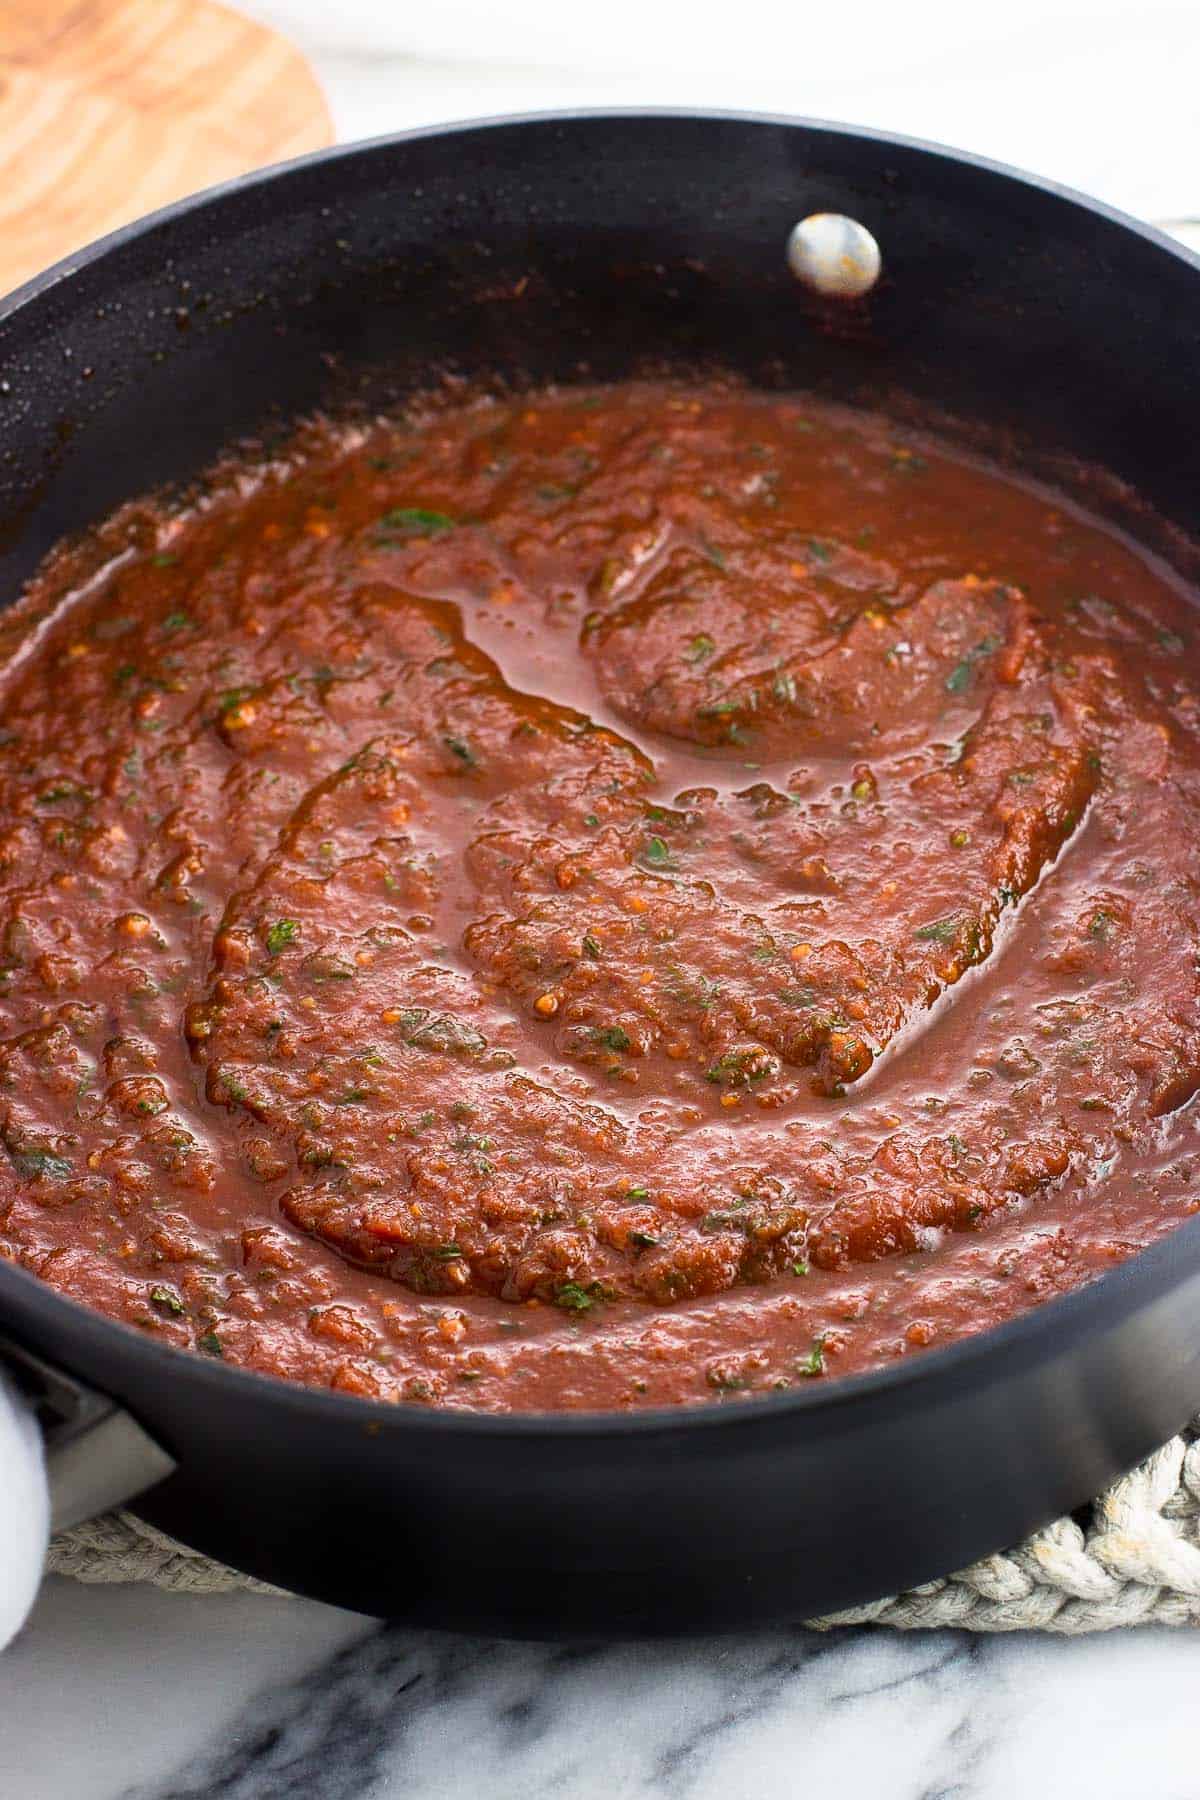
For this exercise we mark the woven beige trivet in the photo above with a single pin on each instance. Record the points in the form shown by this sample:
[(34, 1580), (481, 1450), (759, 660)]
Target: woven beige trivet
[(1137, 1563)]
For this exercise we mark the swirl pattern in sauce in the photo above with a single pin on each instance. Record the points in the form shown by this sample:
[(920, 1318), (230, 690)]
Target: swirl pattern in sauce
[(595, 900)]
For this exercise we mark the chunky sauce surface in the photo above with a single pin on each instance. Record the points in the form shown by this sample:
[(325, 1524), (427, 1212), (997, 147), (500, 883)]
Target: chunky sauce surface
[(605, 899)]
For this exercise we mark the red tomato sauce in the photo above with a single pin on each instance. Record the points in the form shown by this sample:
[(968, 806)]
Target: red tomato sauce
[(605, 899)]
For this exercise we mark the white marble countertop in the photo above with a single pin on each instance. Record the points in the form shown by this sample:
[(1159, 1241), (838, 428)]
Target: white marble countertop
[(125, 1692), (129, 1694)]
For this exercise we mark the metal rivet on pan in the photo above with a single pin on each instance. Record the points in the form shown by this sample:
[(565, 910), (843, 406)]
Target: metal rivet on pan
[(834, 255)]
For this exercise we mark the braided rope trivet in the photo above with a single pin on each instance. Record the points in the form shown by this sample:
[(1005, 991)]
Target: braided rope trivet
[(1138, 1563)]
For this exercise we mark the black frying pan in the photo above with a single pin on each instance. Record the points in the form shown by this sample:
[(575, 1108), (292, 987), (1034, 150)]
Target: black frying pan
[(540, 248)]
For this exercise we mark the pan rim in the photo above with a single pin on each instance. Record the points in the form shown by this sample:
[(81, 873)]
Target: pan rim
[(1029, 1341), (96, 249), (1033, 1338)]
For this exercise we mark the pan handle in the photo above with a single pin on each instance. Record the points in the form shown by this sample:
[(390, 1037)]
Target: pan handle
[(96, 1455)]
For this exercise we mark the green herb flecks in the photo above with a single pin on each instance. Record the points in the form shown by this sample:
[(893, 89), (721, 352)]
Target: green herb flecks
[(31, 1164), (460, 748), (943, 931), (726, 1381), (656, 854), (321, 966), (417, 521), (690, 989), (282, 933), (64, 790), (573, 1297), (741, 1067), (426, 1030), (959, 678)]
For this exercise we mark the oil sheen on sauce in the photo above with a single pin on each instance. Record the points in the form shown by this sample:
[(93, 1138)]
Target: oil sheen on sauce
[(607, 898)]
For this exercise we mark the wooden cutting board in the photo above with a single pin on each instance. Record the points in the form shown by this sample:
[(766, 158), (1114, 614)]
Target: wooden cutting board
[(109, 108)]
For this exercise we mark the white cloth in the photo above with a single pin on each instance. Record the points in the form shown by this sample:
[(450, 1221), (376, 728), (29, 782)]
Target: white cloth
[(24, 1510)]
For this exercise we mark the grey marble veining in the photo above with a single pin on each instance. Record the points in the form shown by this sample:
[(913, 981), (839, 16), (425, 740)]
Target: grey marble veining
[(129, 1694), (406, 1713), (945, 1716)]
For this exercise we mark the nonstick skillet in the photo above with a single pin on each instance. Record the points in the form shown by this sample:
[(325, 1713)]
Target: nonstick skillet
[(545, 249)]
